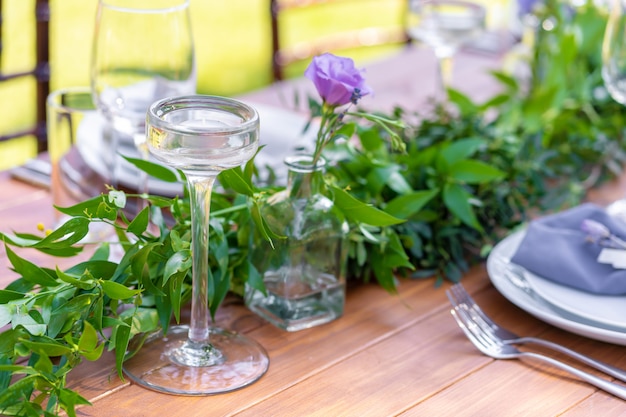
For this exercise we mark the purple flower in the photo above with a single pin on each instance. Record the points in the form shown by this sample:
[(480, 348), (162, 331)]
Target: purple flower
[(336, 79), (594, 229), (601, 235), (525, 6)]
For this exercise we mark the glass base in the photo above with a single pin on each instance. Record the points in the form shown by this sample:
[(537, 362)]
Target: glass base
[(174, 365), (292, 315)]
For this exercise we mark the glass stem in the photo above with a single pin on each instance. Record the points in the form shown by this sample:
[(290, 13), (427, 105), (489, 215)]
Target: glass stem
[(111, 137), (142, 147), (445, 73), (200, 188)]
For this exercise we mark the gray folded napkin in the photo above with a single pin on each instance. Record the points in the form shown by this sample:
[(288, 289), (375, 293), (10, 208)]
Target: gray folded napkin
[(555, 248)]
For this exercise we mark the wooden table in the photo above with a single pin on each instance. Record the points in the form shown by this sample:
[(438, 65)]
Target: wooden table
[(388, 356)]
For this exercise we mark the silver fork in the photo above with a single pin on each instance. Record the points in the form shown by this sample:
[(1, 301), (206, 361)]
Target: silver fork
[(461, 299), (489, 345)]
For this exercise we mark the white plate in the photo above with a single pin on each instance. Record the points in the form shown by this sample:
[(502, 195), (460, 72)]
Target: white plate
[(605, 309), (574, 323), (281, 133)]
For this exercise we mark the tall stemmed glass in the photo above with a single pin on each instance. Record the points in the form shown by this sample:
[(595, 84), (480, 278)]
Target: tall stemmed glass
[(202, 136), (445, 26), (614, 52), (143, 51), (614, 64)]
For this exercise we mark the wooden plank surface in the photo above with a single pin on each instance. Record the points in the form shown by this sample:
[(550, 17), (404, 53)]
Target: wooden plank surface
[(388, 356)]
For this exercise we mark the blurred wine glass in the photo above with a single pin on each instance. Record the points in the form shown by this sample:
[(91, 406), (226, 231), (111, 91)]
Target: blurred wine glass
[(614, 69), (143, 51), (445, 26), (614, 52)]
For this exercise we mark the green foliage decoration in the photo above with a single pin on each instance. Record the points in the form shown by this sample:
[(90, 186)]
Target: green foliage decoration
[(470, 173)]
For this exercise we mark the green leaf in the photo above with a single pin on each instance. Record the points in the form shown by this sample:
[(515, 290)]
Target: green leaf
[(369, 236), (6, 312), (8, 295), (70, 399), (397, 182), (395, 255), (268, 234), (118, 291), (153, 169), (165, 310), (76, 282), (407, 205), (255, 279), (102, 252), (98, 312), (77, 304), (29, 323), (96, 268), (175, 293), (106, 211), (220, 285), (361, 212), (94, 354), (87, 207), (140, 222), (71, 232), (25, 240), (378, 178), (9, 339), (177, 263), (371, 140), (145, 320), (463, 102), (457, 200), (44, 365), (29, 271), (19, 369), (48, 347), (177, 242), (461, 149), (122, 337), (384, 275), (233, 178), (161, 201), (495, 101), (474, 172), (506, 79), (140, 267), (89, 338)]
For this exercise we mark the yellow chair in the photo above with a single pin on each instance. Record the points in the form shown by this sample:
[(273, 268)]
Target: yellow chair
[(302, 29), (40, 73)]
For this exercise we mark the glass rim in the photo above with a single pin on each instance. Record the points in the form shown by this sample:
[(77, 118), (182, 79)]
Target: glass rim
[(52, 100), (116, 5), (164, 106), (303, 163), (478, 9)]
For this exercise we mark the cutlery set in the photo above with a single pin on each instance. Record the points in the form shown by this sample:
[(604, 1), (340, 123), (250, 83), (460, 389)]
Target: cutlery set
[(499, 343)]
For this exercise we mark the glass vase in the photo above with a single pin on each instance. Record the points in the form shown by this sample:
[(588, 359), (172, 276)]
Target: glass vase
[(304, 274)]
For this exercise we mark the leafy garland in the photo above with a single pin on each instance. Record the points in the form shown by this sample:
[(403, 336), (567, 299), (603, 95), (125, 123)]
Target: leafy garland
[(464, 180)]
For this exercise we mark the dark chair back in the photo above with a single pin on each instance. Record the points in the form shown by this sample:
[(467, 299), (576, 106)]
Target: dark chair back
[(41, 73)]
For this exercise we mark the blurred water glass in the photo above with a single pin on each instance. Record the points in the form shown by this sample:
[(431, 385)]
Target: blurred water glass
[(70, 116), (445, 26)]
